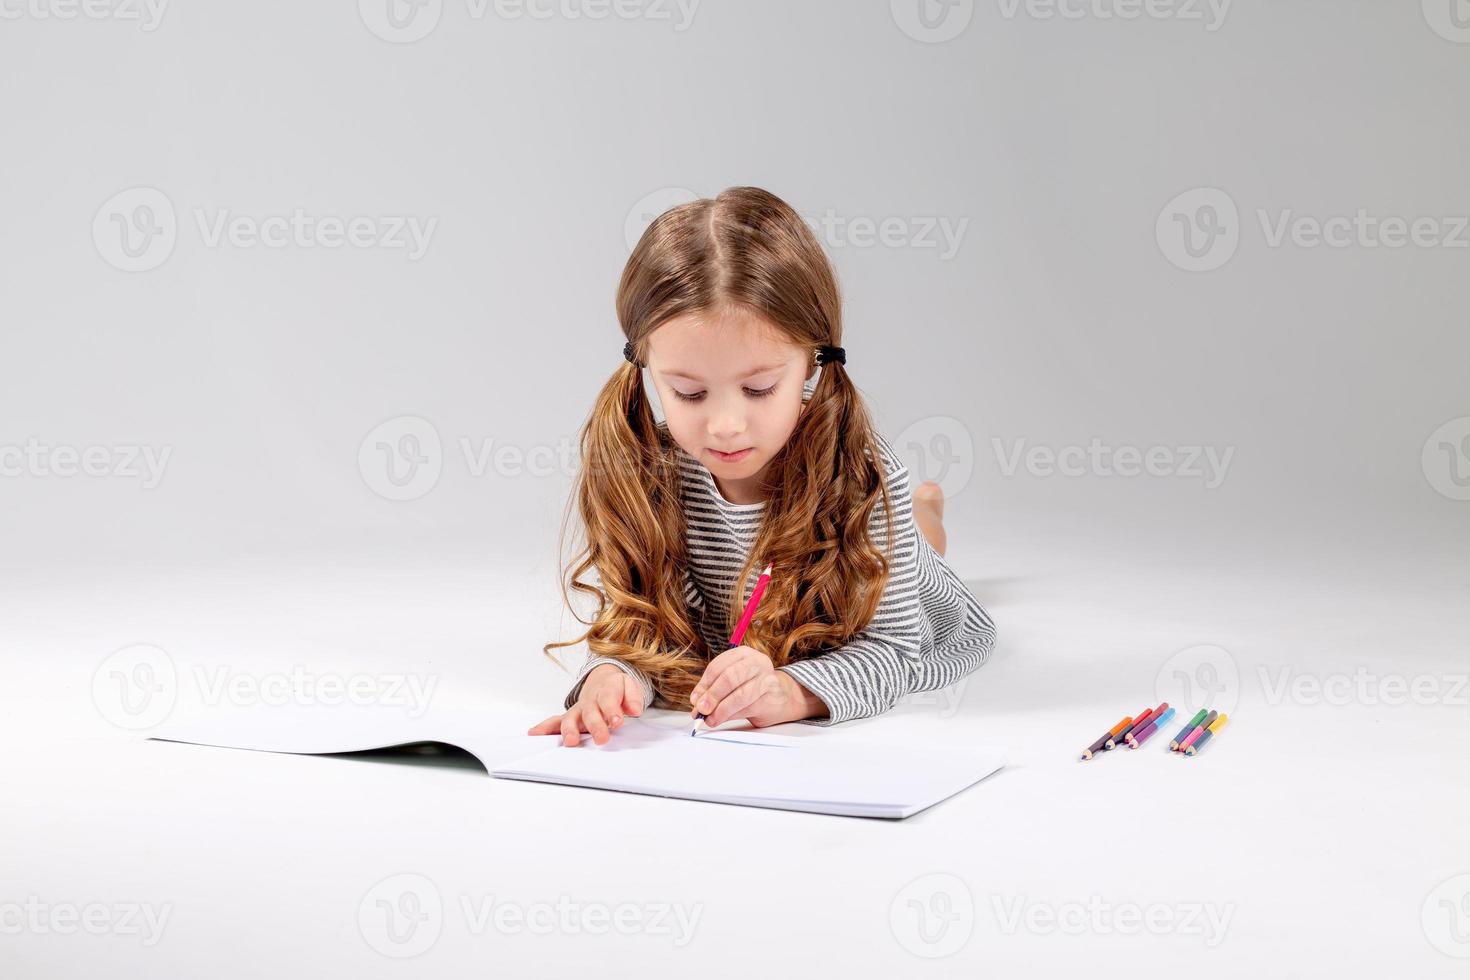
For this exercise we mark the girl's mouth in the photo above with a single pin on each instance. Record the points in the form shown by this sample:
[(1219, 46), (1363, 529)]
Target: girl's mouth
[(731, 457)]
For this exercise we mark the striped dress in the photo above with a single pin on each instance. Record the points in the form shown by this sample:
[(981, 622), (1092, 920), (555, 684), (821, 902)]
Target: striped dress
[(928, 632)]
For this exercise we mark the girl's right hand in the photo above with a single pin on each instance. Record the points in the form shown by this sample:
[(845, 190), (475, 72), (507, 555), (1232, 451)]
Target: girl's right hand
[(607, 695)]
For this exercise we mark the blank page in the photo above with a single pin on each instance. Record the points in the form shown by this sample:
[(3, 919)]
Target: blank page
[(754, 769)]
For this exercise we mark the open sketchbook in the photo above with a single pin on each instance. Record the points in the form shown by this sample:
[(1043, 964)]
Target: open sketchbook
[(653, 755)]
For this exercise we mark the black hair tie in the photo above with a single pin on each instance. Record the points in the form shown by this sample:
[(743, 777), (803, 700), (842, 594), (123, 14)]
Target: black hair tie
[(628, 353)]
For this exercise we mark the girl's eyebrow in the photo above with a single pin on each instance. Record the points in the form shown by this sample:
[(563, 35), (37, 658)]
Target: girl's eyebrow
[(759, 370)]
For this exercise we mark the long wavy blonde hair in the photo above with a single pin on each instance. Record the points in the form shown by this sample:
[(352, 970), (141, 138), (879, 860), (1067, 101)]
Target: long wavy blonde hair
[(745, 249)]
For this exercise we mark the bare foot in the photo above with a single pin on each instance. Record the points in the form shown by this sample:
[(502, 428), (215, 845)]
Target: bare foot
[(929, 514)]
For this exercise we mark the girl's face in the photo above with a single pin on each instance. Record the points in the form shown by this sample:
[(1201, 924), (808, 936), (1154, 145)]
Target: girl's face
[(729, 383)]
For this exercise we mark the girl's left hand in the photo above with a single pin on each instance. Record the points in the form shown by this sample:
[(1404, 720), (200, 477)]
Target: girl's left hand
[(742, 682)]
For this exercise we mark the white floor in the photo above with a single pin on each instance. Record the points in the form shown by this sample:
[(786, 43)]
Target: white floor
[(1323, 833)]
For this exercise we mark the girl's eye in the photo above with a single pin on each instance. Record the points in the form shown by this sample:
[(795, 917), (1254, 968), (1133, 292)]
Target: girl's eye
[(752, 392)]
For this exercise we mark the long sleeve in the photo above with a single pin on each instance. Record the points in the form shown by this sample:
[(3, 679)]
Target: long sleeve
[(628, 669), (696, 606), (897, 653)]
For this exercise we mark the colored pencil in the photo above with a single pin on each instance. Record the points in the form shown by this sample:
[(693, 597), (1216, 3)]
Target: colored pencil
[(1153, 726), (1131, 736), (745, 618), (1112, 743), (1107, 736), (1139, 720), (1189, 739), (1199, 743), (1193, 722)]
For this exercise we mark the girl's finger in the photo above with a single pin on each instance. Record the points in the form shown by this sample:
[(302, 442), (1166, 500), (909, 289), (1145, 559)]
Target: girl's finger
[(632, 697), (712, 671), (609, 706), (592, 718), (550, 726), (737, 702), (736, 675), (571, 734)]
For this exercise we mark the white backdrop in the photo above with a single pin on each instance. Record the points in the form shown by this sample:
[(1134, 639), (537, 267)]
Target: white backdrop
[(302, 307)]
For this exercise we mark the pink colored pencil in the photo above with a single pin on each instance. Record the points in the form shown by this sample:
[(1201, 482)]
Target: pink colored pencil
[(750, 604), (1192, 736)]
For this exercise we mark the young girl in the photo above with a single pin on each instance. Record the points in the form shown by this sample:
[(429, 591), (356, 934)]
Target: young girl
[(766, 456)]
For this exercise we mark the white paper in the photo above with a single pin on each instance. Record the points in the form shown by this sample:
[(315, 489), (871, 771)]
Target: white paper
[(652, 755), (756, 769)]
